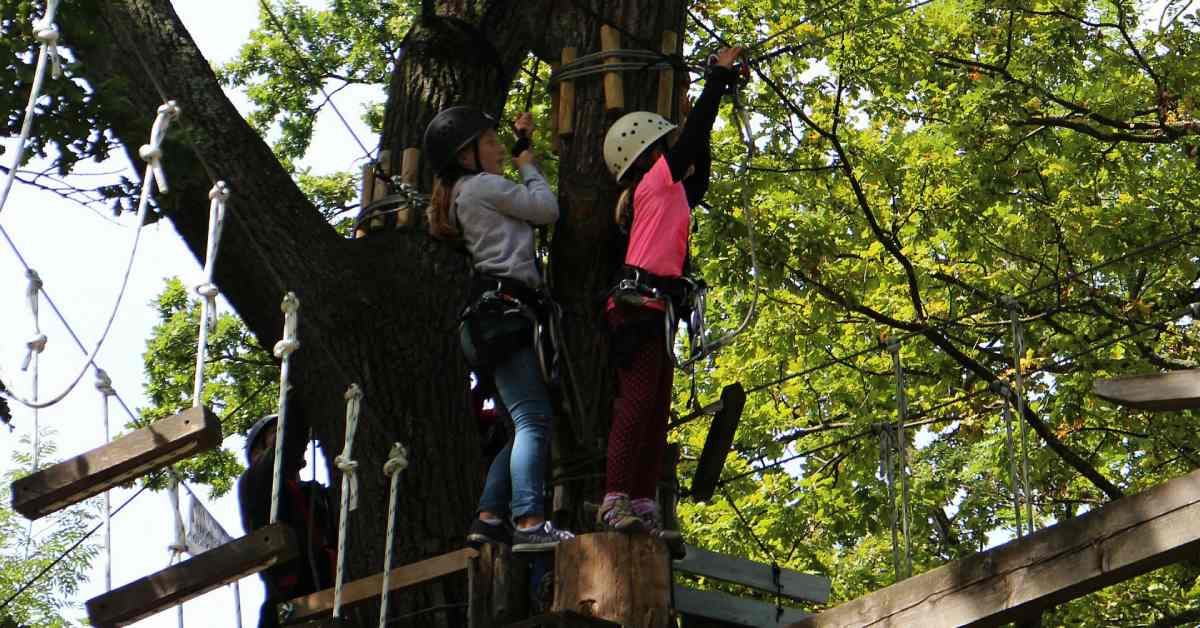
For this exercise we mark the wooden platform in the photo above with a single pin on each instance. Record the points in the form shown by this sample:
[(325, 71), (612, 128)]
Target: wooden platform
[(1014, 582), (193, 577), (1174, 390), (69, 482), (321, 602)]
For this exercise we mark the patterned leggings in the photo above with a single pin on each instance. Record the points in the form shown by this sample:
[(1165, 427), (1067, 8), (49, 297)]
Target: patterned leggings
[(638, 436)]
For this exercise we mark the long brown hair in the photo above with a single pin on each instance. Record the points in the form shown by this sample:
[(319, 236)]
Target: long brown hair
[(438, 212)]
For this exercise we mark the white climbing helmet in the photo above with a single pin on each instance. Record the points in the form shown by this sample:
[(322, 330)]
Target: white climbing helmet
[(631, 134)]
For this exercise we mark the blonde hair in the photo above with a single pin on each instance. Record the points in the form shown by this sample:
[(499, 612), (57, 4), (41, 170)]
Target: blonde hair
[(438, 212), (624, 207)]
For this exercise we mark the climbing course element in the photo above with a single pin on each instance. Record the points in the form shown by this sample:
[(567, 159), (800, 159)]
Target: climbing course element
[(218, 195), (178, 547), (47, 33), (284, 350), (105, 387), (901, 443), (1018, 344), (397, 461), (69, 482), (152, 153), (1002, 389), (349, 491), (666, 77), (33, 354)]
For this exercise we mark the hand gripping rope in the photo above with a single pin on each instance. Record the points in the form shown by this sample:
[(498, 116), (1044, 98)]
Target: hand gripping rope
[(283, 350), (47, 33), (208, 308), (152, 153), (348, 467), (397, 461)]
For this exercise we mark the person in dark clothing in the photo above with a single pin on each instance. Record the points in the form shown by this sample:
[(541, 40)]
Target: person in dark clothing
[(305, 507), (661, 186)]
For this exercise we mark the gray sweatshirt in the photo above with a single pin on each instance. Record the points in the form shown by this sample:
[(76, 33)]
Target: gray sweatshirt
[(496, 217)]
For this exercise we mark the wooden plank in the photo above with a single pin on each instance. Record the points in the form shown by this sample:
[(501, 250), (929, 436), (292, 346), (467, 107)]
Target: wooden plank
[(321, 602), (1016, 581), (564, 619), (1174, 390), (193, 577), (69, 482), (792, 584), (730, 609), (718, 443)]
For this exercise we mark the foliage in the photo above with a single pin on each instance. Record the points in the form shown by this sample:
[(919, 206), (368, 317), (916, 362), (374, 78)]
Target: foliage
[(25, 550), (241, 379)]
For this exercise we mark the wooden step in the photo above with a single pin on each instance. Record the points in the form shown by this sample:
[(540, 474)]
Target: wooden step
[(732, 610), (69, 482), (1174, 390), (791, 584), (321, 602), (718, 442), (193, 577)]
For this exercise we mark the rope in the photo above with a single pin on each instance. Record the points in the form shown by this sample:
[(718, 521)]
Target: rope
[(397, 461), (46, 32), (349, 488), (283, 350), (1001, 389), (208, 307), (1018, 353), (152, 154), (902, 447), (34, 347), (179, 547), (593, 63), (105, 387)]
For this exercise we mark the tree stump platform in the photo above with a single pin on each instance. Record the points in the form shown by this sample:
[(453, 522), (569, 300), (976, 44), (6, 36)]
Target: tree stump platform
[(620, 578)]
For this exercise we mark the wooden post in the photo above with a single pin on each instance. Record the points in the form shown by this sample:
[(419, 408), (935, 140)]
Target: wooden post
[(195, 576), (1014, 582), (410, 166), (566, 98), (614, 88), (1176, 390), (499, 591), (554, 98), (623, 578), (374, 189), (718, 443), (666, 77), (135, 454)]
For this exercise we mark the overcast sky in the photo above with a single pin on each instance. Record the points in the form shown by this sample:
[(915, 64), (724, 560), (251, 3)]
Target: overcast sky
[(80, 255)]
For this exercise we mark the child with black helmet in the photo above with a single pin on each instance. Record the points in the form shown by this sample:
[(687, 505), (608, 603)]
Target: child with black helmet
[(495, 219), (662, 184)]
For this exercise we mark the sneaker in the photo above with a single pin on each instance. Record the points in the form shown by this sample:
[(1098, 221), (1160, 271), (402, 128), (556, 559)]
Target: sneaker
[(540, 539), (617, 514), (482, 532)]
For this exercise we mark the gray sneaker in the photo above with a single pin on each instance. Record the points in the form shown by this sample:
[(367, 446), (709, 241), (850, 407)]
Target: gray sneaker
[(540, 539)]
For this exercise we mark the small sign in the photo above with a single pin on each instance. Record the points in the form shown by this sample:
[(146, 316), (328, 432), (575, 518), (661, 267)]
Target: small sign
[(204, 532)]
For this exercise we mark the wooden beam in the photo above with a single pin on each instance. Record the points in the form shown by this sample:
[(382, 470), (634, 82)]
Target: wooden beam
[(1014, 582), (1174, 390), (719, 441), (730, 609), (321, 602), (69, 482), (792, 584), (563, 619), (614, 86), (193, 577), (666, 77)]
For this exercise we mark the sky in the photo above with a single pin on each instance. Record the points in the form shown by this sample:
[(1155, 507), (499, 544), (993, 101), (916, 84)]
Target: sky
[(81, 255)]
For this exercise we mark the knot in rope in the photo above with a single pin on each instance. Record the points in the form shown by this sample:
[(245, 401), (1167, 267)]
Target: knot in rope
[(152, 153), (345, 464), (36, 342), (104, 383), (344, 461), (33, 287), (288, 345), (207, 290), (219, 192), (46, 32), (397, 460)]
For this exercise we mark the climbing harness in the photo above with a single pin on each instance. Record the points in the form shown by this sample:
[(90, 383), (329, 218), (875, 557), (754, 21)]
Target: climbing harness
[(152, 154), (47, 33), (348, 467), (397, 461), (283, 350)]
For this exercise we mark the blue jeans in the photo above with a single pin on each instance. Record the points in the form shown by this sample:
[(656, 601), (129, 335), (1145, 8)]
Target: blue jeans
[(516, 480)]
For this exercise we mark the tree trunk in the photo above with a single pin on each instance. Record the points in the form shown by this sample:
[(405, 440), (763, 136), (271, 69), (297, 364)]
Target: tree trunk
[(380, 311)]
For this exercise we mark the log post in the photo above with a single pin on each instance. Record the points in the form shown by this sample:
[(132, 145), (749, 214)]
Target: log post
[(566, 98), (554, 98), (373, 189), (409, 165), (623, 578), (614, 89), (666, 77)]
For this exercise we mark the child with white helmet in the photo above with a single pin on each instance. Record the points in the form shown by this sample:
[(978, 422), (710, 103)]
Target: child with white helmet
[(662, 184), (495, 218)]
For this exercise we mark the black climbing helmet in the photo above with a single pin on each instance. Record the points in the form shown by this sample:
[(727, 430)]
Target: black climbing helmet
[(452, 130), (255, 430)]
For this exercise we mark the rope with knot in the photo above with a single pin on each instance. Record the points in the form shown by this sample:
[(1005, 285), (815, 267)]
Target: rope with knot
[(208, 308), (105, 387), (284, 350), (397, 461), (348, 467), (47, 33), (37, 342)]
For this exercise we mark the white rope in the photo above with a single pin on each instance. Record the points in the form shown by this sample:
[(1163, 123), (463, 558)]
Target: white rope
[(179, 547), (166, 113), (284, 350), (1001, 389), (105, 387), (33, 354), (348, 466), (208, 307), (397, 461), (46, 32), (1019, 353), (902, 448)]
